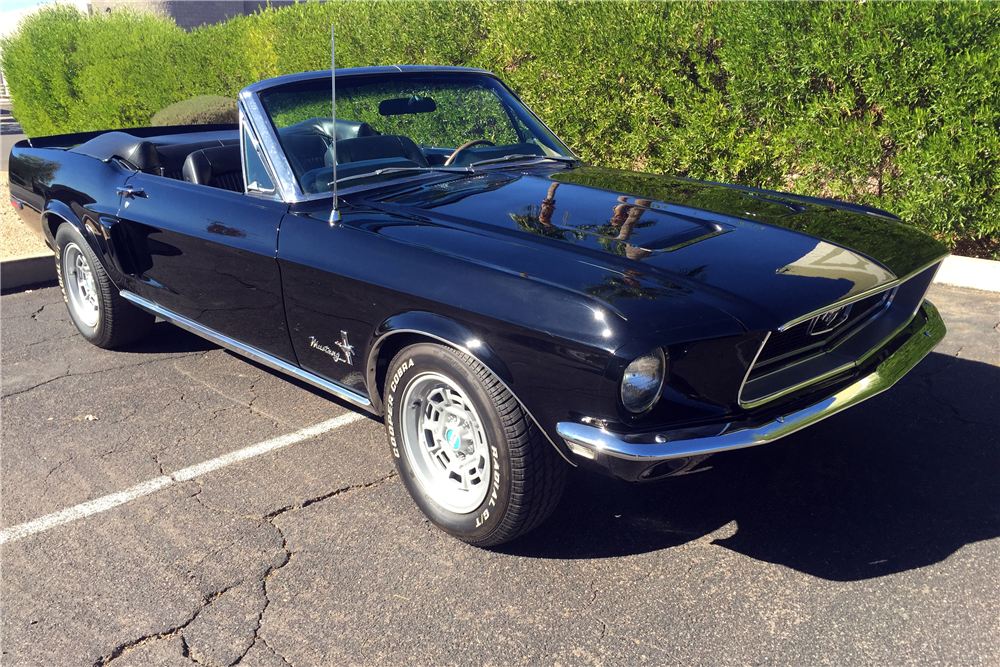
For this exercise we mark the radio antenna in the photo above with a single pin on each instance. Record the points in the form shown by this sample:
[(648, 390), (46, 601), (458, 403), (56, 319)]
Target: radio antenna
[(335, 215)]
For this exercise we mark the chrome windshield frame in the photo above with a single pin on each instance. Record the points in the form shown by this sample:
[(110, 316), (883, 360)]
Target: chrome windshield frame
[(252, 112)]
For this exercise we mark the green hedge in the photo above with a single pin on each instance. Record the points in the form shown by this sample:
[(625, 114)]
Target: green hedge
[(896, 105), (200, 110)]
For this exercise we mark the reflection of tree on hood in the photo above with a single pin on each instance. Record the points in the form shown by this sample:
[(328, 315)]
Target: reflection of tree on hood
[(612, 234), (617, 287), (548, 206), (538, 221), (630, 286), (626, 217)]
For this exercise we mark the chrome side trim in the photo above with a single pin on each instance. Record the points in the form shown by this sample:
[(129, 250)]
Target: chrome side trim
[(336, 389), (862, 295), (372, 365), (654, 447), (739, 394), (800, 385)]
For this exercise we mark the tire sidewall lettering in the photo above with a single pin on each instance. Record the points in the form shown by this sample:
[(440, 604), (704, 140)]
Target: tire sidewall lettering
[(482, 520), (390, 426), (391, 419), (405, 366)]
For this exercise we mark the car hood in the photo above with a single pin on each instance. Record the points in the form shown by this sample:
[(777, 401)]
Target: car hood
[(763, 257)]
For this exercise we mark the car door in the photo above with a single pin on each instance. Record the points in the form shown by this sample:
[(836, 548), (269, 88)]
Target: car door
[(208, 254), (332, 276)]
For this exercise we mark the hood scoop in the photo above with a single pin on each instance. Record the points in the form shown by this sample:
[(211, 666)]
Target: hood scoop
[(631, 226), (632, 213)]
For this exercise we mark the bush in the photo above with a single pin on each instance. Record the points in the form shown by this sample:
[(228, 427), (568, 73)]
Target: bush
[(40, 70), (201, 110), (892, 104)]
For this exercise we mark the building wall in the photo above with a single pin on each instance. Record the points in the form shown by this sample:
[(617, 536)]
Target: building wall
[(190, 13)]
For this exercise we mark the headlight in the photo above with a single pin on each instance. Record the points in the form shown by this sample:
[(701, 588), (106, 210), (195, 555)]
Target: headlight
[(643, 381)]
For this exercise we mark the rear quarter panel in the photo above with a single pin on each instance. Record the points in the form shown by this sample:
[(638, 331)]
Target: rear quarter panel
[(56, 185)]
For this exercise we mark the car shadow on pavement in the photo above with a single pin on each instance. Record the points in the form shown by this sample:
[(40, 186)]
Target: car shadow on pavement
[(899, 482), (169, 339)]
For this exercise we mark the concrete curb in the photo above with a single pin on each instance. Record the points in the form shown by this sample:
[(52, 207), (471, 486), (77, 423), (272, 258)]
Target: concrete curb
[(981, 274), (18, 273)]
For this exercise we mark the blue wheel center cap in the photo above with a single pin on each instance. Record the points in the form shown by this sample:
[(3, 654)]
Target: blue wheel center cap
[(453, 439)]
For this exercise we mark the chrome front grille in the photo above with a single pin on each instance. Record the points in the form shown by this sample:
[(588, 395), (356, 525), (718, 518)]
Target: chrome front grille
[(830, 346), (801, 341)]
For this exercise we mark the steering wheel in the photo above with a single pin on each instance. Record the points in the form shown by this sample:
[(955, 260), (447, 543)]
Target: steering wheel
[(467, 144)]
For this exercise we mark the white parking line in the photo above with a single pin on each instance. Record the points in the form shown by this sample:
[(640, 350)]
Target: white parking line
[(152, 486)]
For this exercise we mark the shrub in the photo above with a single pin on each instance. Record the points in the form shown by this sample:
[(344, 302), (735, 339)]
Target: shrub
[(201, 110), (892, 104), (40, 69)]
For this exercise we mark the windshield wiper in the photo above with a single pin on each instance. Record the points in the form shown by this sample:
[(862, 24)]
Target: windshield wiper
[(396, 170), (523, 156)]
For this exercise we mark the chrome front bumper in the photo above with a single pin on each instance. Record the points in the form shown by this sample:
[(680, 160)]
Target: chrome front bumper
[(633, 455)]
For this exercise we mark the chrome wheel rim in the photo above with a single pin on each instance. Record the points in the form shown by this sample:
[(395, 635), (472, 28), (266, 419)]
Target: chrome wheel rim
[(445, 444), (81, 287)]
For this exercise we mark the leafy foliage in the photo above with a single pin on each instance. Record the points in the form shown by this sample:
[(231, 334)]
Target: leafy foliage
[(201, 110), (891, 104)]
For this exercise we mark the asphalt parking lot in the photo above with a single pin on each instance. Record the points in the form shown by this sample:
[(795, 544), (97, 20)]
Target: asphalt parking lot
[(870, 539)]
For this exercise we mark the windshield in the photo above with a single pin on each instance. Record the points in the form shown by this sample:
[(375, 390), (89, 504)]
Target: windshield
[(389, 125)]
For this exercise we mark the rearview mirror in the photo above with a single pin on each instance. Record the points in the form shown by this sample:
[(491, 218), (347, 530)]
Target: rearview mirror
[(404, 105)]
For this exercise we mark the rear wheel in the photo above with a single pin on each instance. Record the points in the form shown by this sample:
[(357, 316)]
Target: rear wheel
[(95, 306), (470, 457)]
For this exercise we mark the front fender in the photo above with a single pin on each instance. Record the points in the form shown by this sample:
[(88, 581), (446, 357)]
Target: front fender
[(435, 326), (454, 334)]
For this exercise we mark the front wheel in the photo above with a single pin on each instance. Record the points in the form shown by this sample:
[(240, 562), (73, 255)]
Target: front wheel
[(470, 457)]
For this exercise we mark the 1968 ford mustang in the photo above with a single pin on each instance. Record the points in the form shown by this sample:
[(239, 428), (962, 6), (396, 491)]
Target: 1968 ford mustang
[(509, 310)]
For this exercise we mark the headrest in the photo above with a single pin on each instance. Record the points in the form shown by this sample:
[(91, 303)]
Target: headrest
[(346, 129), (201, 166), (379, 147), (142, 155), (351, 129)]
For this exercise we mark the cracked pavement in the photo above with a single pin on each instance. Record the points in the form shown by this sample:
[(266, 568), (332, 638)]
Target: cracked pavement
[(870, 539)]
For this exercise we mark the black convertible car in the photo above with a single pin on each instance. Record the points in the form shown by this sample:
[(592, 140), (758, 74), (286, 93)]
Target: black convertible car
[(434, 254)]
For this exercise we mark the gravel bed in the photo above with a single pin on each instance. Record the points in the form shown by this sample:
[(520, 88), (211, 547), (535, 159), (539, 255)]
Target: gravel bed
[(15, 237)]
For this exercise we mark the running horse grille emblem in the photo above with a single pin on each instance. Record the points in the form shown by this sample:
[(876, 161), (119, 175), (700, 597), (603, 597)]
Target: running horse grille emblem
[(830, 320)]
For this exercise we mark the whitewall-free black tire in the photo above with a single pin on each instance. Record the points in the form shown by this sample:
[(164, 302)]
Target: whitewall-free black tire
[(471, 458), (95, 305)]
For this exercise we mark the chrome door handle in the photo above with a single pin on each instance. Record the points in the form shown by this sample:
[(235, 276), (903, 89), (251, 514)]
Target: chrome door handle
[(131, 193)]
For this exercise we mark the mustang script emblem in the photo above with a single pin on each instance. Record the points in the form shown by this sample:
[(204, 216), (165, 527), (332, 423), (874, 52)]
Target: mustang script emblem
[(346, 353)]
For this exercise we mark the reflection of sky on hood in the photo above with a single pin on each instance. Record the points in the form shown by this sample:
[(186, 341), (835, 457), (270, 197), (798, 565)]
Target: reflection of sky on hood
[(829, 261)]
